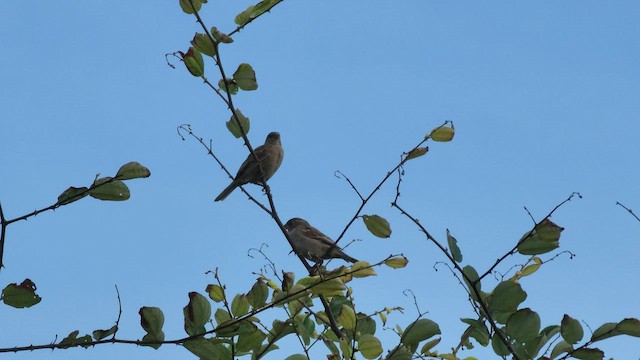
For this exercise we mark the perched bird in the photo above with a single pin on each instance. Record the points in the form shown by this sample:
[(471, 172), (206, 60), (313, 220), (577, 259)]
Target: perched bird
[(311, 243), (270, 155)]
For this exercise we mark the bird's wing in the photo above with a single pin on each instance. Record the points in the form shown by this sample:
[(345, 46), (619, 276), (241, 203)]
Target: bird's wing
[(315, 234)]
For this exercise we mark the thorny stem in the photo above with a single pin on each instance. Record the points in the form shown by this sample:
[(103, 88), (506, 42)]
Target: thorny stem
[(223, 326), (273, 213)]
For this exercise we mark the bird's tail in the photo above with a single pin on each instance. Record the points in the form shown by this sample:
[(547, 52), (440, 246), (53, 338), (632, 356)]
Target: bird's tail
[(228, 190), (344, 256)]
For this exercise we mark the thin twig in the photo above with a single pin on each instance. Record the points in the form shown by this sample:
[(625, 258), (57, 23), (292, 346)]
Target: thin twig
[(119, 313), (472, 283), (629, 210), (531, 232)]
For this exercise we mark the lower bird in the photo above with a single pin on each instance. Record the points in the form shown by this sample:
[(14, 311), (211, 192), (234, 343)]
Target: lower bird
[(270, 156), (312, 244)]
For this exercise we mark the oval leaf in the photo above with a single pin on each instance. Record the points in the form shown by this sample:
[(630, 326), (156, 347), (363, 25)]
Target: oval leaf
[(506, 297), (233, 127), (419, 330), (193, 61), (362, 269), (571, 330), (245, 77), (417, 152), (203, 43), (369, 346), (101, 334), (152, 319), (258, 294), (347, 317), (240, 305), (442, 133), (108, 189), (229, 86), (453, 247), (72, 194), (524, 325), (21, 296), (132, 170), (377, 225), (397, 262)]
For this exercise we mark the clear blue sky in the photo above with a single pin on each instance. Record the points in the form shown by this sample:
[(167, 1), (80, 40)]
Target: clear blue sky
[(544, 96)]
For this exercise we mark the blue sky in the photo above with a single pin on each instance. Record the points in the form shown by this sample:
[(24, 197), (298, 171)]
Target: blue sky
[(543, 96)]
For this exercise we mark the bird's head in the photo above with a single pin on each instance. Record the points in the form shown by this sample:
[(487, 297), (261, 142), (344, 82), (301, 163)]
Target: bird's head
[(273, 138), (294, 222)]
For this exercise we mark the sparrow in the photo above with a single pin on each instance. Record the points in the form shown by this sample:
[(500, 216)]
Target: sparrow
[(270, 155), (311, 243)]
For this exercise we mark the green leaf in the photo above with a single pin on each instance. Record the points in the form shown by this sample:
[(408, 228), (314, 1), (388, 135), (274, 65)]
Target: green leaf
[(397, 262), (530, 269), (419, 330), (498, 346), (629, 326), (506, 297), (193, 61), (453, 247), (152, 319), (197, 313), (101, 334), (280, 329), (221, 316), (442, 133), (377, 225), (544, 238), (73, 340), (369, 346), (21, 296), (477, 330), (605, 331), (187, 8), (524, 325), (72, 194), (132, 170), (588, 354), (240, 305), (362, 269), (250, 341), (228, 85), (471, 274), (205, 349), (296, 357), (400, 353), (426, 348), (571, 330), (331, 287), (263, 6), (203, 43), (258, 294), (561, 348), (233, 127), (244, 17), (216, 293), (220, 36), (347, 317), (245, 77), (108, 189), (365, 325), (304, 327), (417, 152)]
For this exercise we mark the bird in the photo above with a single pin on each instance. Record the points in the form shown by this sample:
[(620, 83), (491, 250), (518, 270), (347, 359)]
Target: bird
[(312, 244), (270, 155)]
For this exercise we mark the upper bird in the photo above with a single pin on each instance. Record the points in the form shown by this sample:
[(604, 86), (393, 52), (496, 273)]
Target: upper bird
[(311, 243), (270, 155)]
